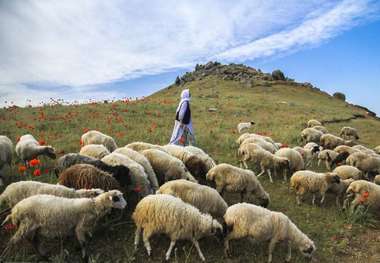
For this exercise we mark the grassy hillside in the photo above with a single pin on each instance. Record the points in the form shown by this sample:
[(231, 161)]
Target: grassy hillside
[(280, 110)]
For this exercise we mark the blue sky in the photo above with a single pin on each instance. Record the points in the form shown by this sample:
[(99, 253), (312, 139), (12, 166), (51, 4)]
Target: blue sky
[(96, 49)]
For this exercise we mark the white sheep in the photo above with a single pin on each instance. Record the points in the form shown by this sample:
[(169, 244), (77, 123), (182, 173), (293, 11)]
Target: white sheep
[(326, 156), (97, 151), (311, 123), (140, 182), (96, 137), (242, 126), (365, 193), (347, 172), (50, 217), (144, 162), (247, 220), (237, 180), (311, 135), (205, 198), (365, 162), (321, 128), (245, 136), (29, 148), (296, 161), (311, 182), (6, 152), (18, 191), (167, 167), (203, 155), (330, 141), (270, 147), (141, 146), (349, 133), (167, 214)]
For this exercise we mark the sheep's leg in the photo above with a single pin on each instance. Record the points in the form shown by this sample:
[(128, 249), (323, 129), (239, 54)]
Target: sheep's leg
[(242, 194), (137, 237), (270, 176), (245, 164), (313, 200), (319, 162), (337, 201), (285, 176), (272, 245), (289, 254), (81, 237), (328, 167), (196, 244), (146, 236), (227, 251), (169, 252), (323, 197)]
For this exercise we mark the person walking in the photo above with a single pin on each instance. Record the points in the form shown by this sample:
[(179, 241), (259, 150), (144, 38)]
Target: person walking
[(183, 133)]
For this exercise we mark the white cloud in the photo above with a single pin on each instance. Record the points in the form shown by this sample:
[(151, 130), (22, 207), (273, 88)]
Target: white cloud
[(84, 43)]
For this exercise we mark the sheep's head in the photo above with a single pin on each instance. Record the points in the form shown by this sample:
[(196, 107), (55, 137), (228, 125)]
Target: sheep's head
[(196, 166), (332, 178), (252, 123), (50, 152), (216, 229), (113, 199), (307, 247), (121, 174)]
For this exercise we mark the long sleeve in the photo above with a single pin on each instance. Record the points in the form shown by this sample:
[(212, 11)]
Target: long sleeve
[(182, 111)]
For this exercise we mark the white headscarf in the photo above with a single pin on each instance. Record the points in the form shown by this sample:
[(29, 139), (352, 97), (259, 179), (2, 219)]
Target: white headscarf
[(185, 96)]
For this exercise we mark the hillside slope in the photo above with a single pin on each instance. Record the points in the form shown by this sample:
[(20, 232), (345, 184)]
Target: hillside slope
[(279, 107)]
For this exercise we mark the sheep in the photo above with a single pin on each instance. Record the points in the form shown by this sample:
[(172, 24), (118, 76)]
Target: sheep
[(311, 135), (166, 166), (321, 128), (18, 191), (96, 137), (233, 179), (330, 141), (97, 151), (364, 149), (347, 172), (377, 149), (308, 181), (312, 123), (162, 213), (327, 156), (366, 163), (272, 148), (6, 152), (70, 159), (376, 180), (205, 198), (242, 126), (144, 162), (247, 220), (267, 160), (140, 182), (87, 176), (210, 163), (339, 190), (365, 193), (28, 148), (245, 136), (48, 216), (194, 163), (343, 152), (294, 157), (141, 146), (348, 133)]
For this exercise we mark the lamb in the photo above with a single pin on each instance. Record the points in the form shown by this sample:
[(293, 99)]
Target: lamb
[(237, 180), (144, 162), (6, 152), (366, 163), (349, 133), (28, 148), (311, 123), (205, 198), (339, 190), (141, 146), (87, 176), (330, 141), (294, 157), (210, 163), (166, 166), (48, 216), (327, 156), (71, 159), (167, 214), (377, 149), (18, 191), (308, 181), (195, 164), (311, 135), (97, 151), (267, 160), (139, 179), (242, 126), (321, 128), (365, 193), (347, 172), (247, 220), (96, 137), (272, 148)]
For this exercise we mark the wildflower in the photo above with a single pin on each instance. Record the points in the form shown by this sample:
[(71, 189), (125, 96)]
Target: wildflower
[(22, 168), (137, 189), (41, 142), (37, 172), (34, 162), (9, 227), (46, 171)]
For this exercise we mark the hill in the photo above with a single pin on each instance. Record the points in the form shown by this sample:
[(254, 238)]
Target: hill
[(278, 105)]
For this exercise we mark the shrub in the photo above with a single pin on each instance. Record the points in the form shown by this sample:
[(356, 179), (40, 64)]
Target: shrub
[(278, 75), (339, 96)]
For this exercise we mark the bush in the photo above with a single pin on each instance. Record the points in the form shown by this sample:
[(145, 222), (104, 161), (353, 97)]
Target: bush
[(339, 96), (278, 75)]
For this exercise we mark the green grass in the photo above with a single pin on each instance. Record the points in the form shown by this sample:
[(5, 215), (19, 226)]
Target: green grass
[(280, 111)]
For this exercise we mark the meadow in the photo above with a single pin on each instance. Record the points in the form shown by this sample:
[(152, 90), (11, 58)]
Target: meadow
[(279, 110)]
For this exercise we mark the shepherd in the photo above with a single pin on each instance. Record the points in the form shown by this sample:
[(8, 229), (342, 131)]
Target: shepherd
[(183, 133)]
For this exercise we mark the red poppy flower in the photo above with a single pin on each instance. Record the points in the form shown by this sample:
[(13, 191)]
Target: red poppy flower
[(41, 142), (137, 189), (22, 168), (37, 172), (34, 162)]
